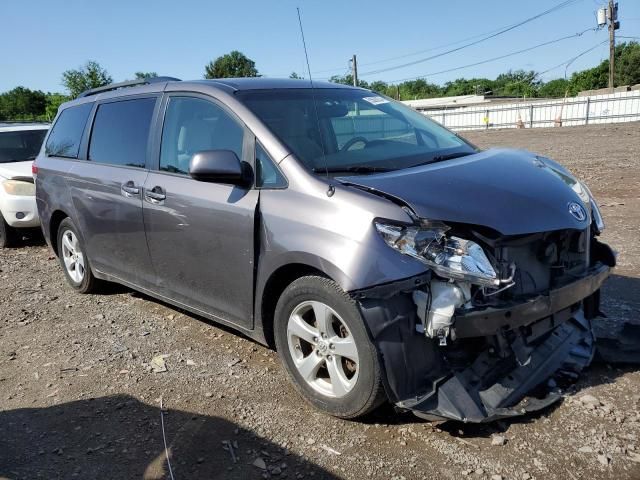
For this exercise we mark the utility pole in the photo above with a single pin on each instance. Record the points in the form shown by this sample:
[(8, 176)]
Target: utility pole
[(612, 15), (354, 70)]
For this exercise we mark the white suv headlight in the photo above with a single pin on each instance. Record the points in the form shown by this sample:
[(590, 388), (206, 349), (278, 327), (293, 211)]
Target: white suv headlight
[(448, 256), (19, 188)]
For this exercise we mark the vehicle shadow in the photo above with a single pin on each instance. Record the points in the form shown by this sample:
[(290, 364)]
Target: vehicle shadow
[(121, 437), (30, 237)]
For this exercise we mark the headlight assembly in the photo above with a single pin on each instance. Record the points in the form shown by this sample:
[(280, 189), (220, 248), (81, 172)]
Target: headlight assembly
[(448, 256), (596, 216), (19, 188)]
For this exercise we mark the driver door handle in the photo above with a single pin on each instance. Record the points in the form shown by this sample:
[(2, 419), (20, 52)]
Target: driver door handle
[(155, 195), (130, 189)]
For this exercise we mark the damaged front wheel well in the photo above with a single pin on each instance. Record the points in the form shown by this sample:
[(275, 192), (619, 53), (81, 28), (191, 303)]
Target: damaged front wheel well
[(277, 283)]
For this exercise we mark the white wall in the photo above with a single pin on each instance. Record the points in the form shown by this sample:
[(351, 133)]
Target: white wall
[(608, 108)]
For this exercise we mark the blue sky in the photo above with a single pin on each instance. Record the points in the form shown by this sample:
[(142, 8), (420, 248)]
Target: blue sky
[(43, 38)]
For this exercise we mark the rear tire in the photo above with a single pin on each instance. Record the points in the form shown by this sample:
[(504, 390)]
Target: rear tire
[(73, 258), (8, 235), (325, 348)]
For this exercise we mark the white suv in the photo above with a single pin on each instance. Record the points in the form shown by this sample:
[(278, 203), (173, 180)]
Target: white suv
[(19, 146)]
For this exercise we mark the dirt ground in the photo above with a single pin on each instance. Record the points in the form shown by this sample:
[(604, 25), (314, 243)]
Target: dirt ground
[(79, 399)]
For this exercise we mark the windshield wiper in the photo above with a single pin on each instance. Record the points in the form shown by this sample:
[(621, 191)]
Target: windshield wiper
[(352, 169), (442, 158)]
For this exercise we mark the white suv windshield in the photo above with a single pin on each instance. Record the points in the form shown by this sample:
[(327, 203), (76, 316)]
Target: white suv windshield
[(20, 145), (352, 130)]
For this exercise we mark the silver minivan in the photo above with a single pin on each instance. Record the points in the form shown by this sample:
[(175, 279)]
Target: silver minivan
[(383, 256)]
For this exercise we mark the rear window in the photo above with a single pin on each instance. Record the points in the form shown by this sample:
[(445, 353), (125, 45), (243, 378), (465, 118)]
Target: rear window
[(66, 133), (121, 132), (20, 146)]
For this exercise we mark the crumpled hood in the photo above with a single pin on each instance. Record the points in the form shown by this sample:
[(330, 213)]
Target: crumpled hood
[(16, 169), (512, 191)]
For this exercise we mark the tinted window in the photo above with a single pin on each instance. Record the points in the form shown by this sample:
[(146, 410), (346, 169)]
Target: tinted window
[(121, 131), (268, 175), (66, 133), (21, 145), (351, 130), (192, 125)]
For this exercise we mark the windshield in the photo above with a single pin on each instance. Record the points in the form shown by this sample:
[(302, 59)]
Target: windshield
[(21, 145), (352, 130)]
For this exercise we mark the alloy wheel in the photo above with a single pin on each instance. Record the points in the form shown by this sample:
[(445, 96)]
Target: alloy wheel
[(73, 256), (323, 349)]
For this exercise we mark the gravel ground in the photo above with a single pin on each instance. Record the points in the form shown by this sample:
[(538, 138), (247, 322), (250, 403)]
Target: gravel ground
[(79, 397)]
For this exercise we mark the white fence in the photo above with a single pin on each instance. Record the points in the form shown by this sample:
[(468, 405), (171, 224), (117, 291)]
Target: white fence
[(610, 108)]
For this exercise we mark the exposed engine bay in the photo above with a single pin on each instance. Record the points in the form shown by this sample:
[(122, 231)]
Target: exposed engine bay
[(497, 325)]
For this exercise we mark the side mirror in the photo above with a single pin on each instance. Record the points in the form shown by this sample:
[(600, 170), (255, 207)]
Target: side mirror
[(218, 166)]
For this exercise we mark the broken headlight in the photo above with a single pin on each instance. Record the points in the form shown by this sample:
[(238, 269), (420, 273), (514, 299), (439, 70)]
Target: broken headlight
[(448, 256), (596, 216)]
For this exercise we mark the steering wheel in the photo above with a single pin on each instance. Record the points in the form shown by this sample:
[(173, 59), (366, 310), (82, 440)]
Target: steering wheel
[(350, 143)]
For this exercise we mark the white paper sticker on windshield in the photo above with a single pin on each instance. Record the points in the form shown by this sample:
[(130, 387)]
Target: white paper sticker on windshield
[(375, 100)]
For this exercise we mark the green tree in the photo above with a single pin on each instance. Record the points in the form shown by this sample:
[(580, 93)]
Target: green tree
[(145, 75), (420, 88), (471, 86), (22, 104), (627, 63), (54, 100), (233, 64), (348, 80), (517, 83), (590, 79), (90, 75), (380, 87), (295, 76), (555, 88)]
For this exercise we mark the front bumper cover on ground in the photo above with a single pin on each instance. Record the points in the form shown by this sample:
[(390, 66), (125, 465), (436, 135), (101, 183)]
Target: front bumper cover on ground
[(544, 337)]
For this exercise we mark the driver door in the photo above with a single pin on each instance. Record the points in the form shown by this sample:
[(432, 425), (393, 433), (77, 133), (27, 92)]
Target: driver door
[(201, 235)]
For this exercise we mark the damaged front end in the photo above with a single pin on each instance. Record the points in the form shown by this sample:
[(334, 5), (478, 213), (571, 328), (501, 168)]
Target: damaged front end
[(495, 327)]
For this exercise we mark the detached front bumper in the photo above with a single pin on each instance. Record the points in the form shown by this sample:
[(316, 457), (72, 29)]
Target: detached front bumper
[(508, 353)]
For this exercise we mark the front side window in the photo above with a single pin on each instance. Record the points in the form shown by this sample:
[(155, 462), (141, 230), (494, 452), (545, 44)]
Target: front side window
[(66, 133), (352, 130), (121, 132), (20, 145), (267, 174), (193, 125)]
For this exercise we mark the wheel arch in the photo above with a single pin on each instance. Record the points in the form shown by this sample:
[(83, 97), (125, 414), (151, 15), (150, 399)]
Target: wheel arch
[(54, 224), (277, 282)]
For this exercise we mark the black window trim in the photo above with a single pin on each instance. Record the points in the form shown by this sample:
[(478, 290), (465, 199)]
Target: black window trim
[(90, 124), (247, 155)]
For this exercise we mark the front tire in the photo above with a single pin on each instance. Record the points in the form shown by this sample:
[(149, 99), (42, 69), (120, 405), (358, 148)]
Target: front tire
[(8, 235), (73, 258), (325, 348)]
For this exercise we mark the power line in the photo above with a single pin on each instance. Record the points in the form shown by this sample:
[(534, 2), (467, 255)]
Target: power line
[(486, 36), (517, 52), (418, 52), (483, 39)]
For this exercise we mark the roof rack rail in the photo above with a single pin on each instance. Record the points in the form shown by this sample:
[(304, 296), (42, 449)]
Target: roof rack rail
[(130, 83)]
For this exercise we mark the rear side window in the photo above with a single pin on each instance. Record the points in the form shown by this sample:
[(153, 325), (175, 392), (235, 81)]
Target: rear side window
[(66, 133), (121, 132)]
